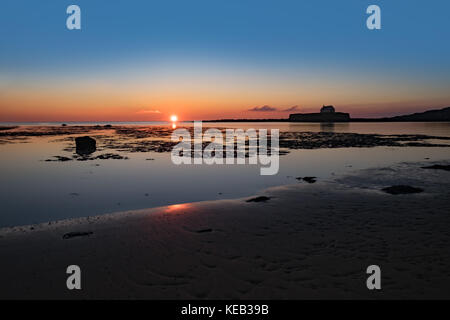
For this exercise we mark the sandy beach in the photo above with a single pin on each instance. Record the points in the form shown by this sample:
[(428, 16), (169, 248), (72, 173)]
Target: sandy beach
[(306, 241)]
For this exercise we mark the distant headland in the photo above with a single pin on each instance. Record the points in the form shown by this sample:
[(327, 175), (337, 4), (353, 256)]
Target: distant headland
[(329, 114)]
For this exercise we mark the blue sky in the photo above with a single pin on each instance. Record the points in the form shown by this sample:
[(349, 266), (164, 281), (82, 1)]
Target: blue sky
[(265, 38)]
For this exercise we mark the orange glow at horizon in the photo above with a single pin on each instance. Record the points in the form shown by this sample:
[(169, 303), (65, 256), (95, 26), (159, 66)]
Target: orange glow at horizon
[(206, 95)]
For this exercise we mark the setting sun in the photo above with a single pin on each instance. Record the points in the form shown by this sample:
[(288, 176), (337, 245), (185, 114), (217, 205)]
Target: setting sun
[(173, 118)]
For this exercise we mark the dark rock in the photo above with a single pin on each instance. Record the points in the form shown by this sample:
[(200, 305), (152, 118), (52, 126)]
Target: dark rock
[(64, 125), (258, 199), (59, 158), (401, 189), (7, 128), (85, 145), (204, 230), (110, 156), (108, 126), (77, 234), (307, 179), (438, 166)]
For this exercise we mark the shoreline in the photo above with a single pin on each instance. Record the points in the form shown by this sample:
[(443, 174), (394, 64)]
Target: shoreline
[(11, 125), (52, 154), (344, 179), (307, 241)]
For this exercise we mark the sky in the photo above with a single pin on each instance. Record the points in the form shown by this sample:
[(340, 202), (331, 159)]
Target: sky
[(211, 59)]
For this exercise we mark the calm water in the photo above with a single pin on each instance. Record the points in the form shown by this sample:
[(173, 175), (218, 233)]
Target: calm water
[(35, 191)]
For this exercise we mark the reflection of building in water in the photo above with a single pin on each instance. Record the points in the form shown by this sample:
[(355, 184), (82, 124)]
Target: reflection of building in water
[(327, 114), (327, 126)]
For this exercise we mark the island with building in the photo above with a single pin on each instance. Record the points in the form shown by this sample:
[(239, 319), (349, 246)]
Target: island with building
[(326, 114), (329, 114)]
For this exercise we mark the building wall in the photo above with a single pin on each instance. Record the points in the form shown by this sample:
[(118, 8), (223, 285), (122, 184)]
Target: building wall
[(327, 109)]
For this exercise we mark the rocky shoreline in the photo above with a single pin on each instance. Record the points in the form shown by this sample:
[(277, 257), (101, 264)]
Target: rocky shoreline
[(135, 139)]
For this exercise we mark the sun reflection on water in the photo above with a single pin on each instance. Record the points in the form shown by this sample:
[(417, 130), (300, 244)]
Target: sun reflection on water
[(176, 208)]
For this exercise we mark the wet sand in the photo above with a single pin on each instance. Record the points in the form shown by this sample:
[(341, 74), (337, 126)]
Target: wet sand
[(306, 241)]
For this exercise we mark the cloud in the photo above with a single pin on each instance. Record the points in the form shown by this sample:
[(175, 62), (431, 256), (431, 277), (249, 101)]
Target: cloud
[(263, 109), (294, 108), (148, 111)]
